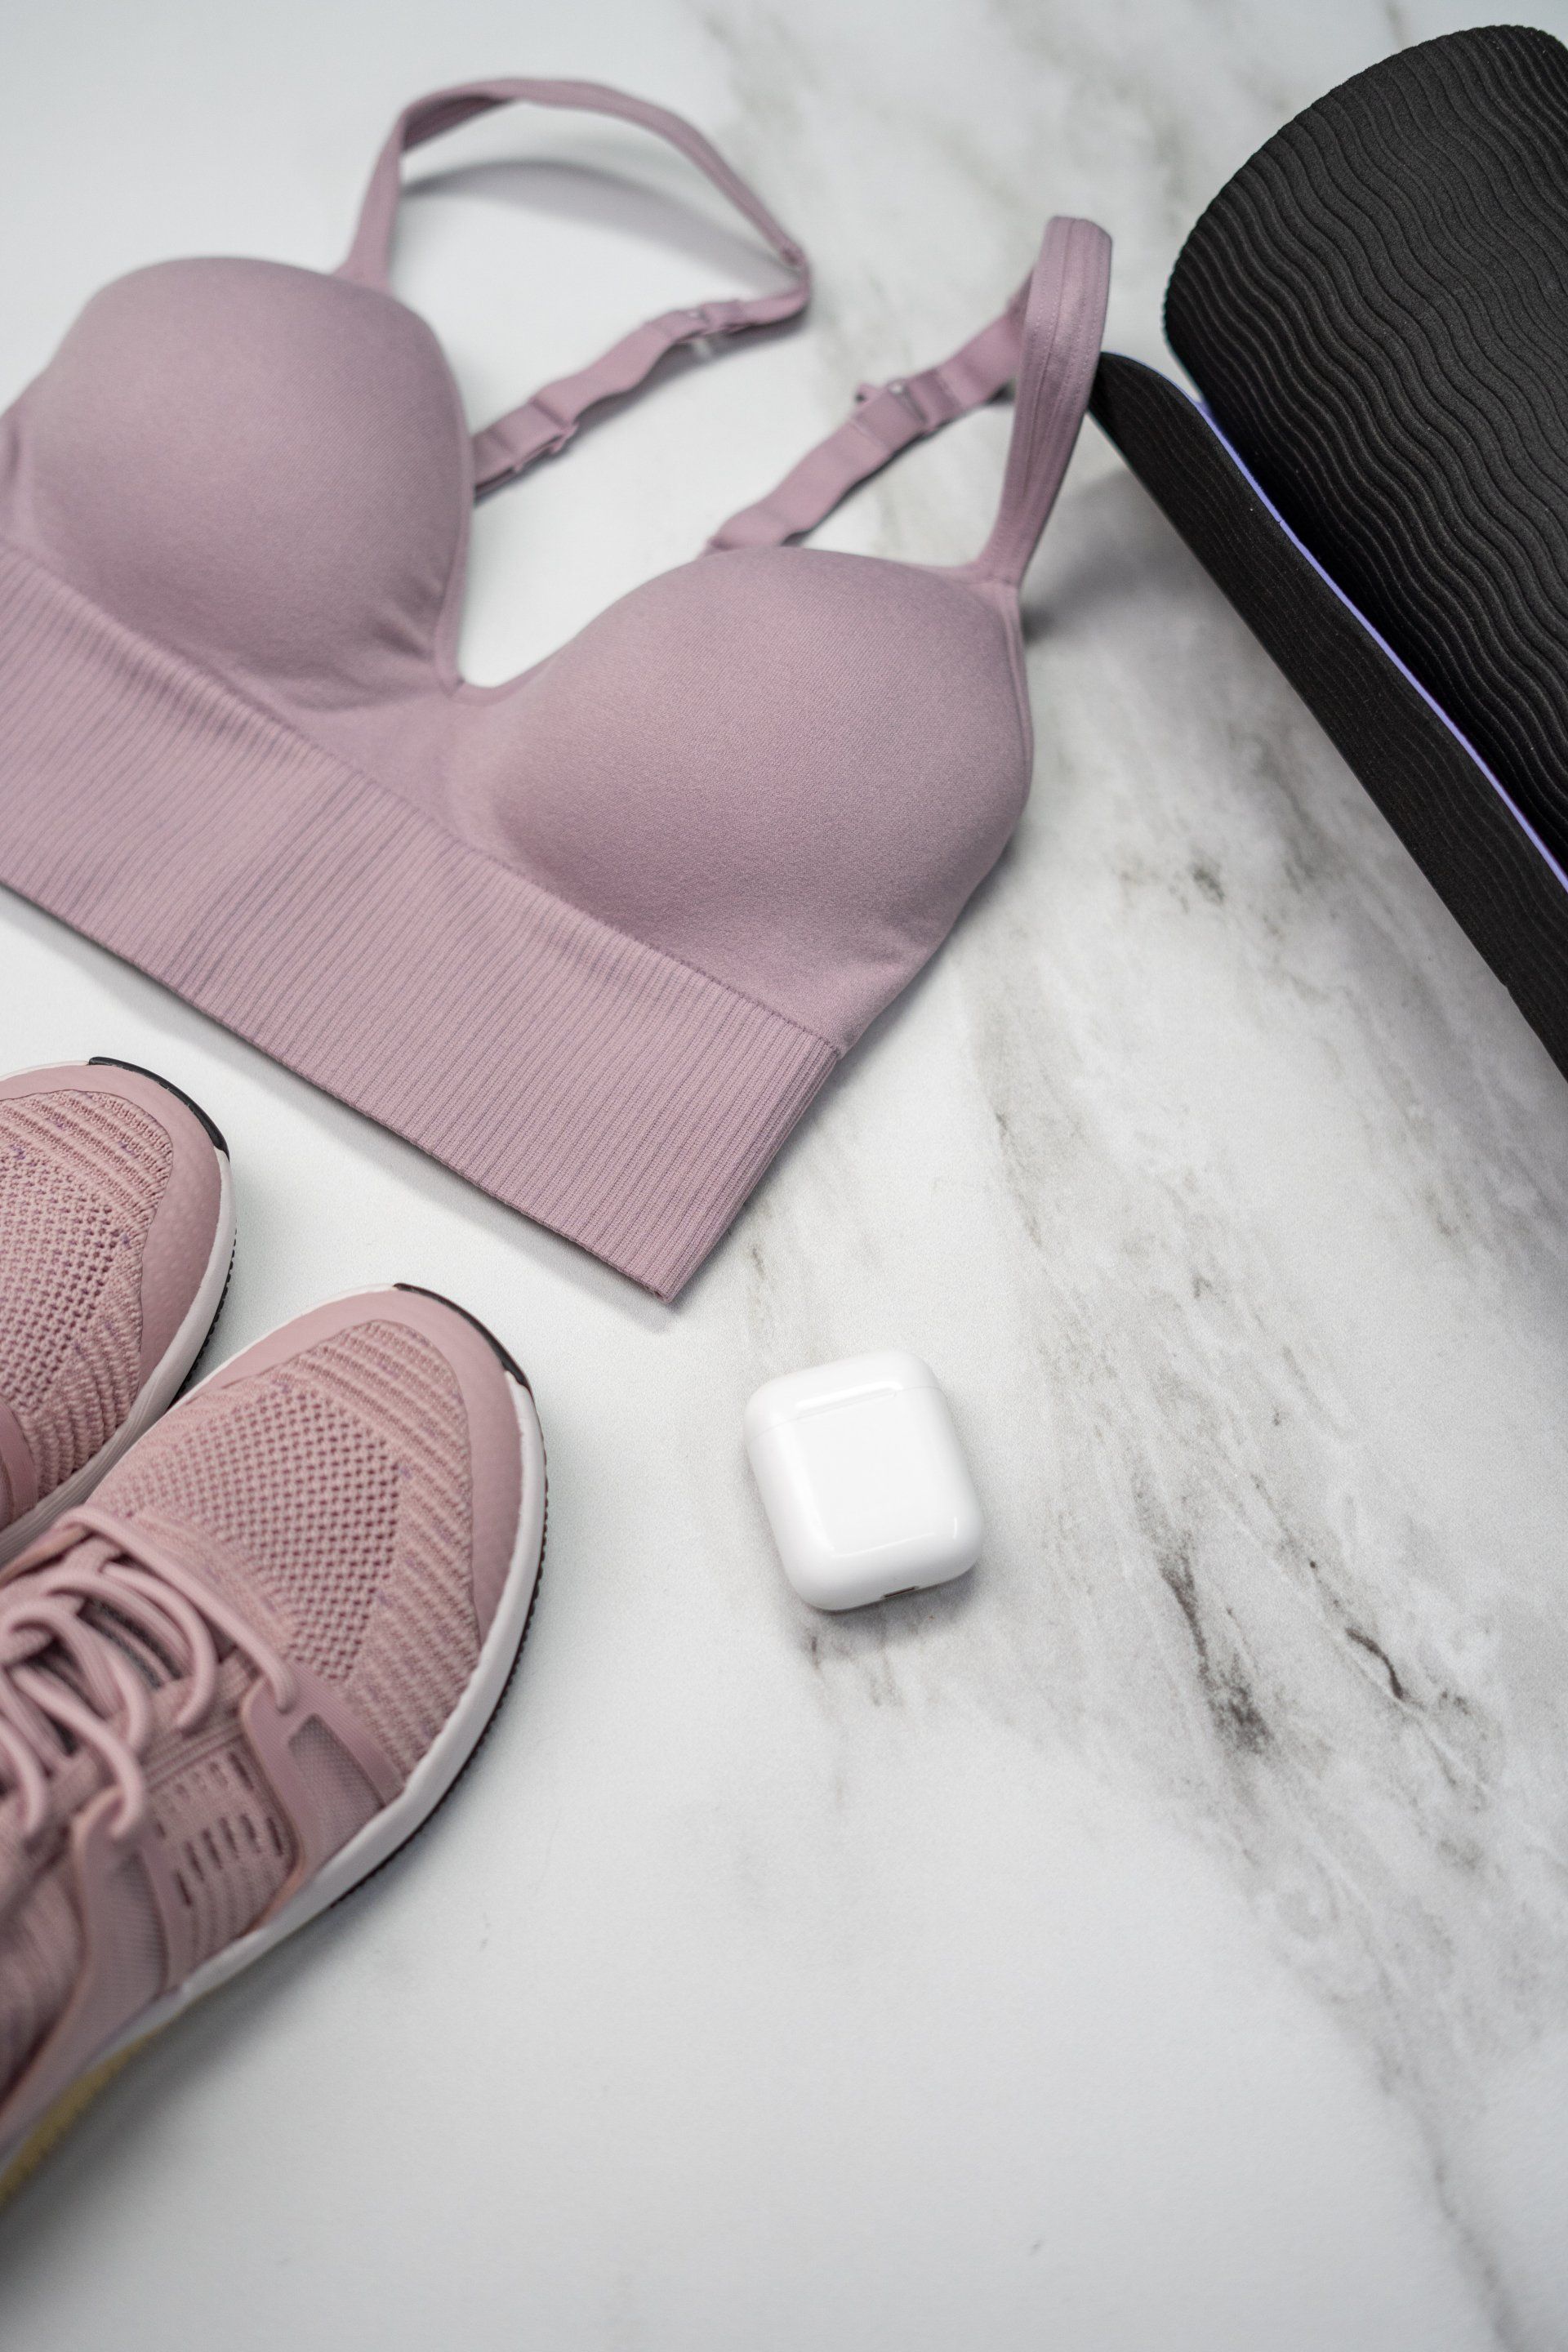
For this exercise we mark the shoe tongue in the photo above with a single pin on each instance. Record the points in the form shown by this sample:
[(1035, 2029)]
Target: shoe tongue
[(40, 1940), (40, 1931), (41, 1943)]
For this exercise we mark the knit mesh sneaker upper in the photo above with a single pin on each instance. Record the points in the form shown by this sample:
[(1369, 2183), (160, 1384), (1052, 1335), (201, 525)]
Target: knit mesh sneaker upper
[(115, 1234), (80, 1176), (329, 1497), (235, 1654)]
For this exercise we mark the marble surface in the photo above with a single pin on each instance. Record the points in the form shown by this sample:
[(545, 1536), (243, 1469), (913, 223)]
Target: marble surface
[(1160, 1940)]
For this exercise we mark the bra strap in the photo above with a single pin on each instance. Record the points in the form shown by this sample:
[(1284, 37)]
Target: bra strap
[(1064, 325), (1047, 337), (546, 422)]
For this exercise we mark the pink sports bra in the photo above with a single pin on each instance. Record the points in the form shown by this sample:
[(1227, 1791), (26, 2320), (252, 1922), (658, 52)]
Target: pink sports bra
[(594, 938)]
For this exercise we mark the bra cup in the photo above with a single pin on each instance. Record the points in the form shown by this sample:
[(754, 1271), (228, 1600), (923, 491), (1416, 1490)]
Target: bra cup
[(260, 466), (786, 767)]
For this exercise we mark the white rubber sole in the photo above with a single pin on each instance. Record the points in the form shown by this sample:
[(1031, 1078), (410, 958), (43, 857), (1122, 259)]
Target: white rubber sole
[(157, 1393), (382, 1836)]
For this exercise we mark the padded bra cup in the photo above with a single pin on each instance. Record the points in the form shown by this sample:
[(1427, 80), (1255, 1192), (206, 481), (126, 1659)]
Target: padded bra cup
[(316, 552), (312, 429)]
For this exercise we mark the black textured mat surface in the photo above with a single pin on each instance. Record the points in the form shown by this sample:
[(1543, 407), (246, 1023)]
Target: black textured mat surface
[(1433, 794), (1376, 308)]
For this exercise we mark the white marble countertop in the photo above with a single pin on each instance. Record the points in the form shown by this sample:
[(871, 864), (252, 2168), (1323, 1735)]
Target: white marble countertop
[(1160, 1942)]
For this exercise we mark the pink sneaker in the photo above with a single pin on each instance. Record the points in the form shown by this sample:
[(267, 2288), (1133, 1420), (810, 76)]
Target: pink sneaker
[(234, 1682), (116, 1238)]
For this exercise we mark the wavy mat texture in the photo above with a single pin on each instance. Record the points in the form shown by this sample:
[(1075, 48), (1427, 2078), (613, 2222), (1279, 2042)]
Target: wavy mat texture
[(1458, 830), (1376, 308)]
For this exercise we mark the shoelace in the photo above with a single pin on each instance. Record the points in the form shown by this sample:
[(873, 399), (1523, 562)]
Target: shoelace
[(105, 1704)]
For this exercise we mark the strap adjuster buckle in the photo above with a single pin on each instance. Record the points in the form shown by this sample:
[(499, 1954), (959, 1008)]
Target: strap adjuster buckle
[(929, 400), (702, 326), (563, 429), (718, 317), (508, 449)]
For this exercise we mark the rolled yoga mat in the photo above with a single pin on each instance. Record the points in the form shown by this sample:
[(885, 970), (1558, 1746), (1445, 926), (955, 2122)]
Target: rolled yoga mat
[(1376, 313)]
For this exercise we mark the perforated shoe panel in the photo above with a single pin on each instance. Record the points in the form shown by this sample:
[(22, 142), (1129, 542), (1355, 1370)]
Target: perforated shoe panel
[(224, 1840)]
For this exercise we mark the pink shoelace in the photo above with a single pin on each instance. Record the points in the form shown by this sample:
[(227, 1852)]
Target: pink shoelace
[(102, 1702)]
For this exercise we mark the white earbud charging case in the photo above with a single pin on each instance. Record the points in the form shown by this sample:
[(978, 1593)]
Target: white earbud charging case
[(863, 1479)]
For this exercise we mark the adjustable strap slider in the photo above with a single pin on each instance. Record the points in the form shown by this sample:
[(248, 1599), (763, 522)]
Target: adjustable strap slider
[(509, 446), (542, 418), (718, 317), (701, 327), (929, 399)]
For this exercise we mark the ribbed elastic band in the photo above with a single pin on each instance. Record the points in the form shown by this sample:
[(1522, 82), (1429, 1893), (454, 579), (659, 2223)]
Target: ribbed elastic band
[(583, 1078)]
